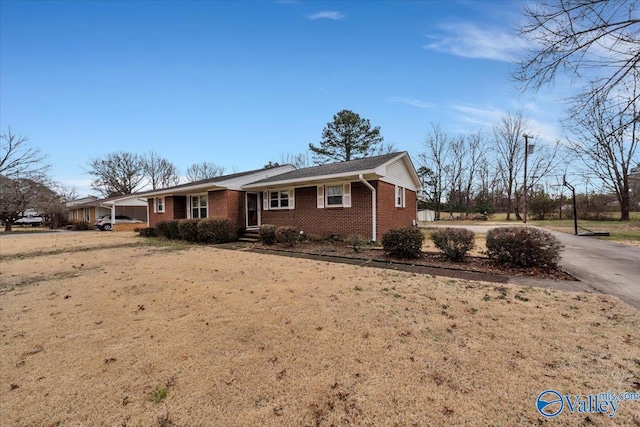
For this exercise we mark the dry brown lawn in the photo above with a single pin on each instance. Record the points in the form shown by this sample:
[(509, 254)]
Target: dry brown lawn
[(142, 335)]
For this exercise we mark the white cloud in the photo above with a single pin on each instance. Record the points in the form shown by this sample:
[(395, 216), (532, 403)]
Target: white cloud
[(412, 102), (328, 14), (470, 41), (487, 117)]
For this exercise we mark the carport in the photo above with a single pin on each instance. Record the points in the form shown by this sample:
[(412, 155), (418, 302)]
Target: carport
[(131, 206)]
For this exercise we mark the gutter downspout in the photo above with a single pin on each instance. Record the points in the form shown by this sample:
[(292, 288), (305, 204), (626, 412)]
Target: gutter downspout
[(373, 206)]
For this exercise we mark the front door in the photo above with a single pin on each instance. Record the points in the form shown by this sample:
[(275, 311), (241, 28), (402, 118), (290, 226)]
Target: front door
[(253, 210)]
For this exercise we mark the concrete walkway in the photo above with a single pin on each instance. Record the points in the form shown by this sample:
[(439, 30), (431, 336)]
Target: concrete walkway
[(601, 266)]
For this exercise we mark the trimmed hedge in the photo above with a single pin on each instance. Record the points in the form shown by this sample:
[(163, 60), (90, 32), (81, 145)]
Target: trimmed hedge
[(287, 235), (168, 229), (215, 230), (146, 232), (523, 247), (82, 226), (267, 233), (403, 242), (453, 242), (188, 229)]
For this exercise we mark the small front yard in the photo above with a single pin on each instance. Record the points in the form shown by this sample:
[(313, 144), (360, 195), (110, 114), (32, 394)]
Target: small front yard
[(114, 329)]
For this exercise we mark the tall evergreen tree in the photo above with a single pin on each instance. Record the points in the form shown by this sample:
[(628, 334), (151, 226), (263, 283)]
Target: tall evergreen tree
[(347, 137)]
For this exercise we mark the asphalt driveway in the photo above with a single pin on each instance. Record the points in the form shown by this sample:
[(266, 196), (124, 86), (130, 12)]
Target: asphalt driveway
[(601, 266)]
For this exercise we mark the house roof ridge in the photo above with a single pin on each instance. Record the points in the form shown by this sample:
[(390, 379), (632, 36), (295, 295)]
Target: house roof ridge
[(362, 164)]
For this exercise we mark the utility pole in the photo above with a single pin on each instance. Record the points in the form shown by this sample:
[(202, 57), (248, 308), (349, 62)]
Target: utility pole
[(526, 153)]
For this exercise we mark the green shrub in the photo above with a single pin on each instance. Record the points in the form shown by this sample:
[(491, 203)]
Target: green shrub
[(523, 246), (146, 231), (215, 230), (82, 226), (188, 229), (403, 242), (287, 235), (356, 242), (453, 242), (267, 234), (168, 229)]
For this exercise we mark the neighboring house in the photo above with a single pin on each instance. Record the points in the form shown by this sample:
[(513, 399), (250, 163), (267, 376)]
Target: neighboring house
[(90, 208), (84, 209), (364, 197)]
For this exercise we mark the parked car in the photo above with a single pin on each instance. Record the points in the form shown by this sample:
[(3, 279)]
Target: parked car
[(104, 222), (34, 221)]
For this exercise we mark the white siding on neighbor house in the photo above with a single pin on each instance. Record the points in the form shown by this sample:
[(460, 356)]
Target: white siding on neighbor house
[(398, 174)]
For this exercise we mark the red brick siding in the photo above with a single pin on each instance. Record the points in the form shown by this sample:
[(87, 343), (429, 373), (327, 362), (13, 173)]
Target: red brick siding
[(325, 222), (346, 221), (217, 201), (388, 215), (175, 207), (227, 204)]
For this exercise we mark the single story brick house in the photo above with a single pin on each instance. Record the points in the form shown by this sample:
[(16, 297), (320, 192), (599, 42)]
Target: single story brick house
[(90, 208), (364, 197)]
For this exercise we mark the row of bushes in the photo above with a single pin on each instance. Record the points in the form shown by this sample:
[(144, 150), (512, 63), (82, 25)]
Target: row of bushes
[(516, 246), (208, 230), (287, 235)]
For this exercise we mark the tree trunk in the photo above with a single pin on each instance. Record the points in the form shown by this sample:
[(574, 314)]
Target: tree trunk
[(516, 206), (8, 226), (625, 205), (509, 191)]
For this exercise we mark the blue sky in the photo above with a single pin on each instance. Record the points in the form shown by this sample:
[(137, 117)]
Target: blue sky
[(238, 83)]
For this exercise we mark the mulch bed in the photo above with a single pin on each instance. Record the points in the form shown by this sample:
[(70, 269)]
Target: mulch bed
[(428, 259)]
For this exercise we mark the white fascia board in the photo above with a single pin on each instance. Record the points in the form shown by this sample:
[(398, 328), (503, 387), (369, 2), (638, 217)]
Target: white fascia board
[(125, 201), (184, 190), (239, 182), (312, 180), (230, 184)]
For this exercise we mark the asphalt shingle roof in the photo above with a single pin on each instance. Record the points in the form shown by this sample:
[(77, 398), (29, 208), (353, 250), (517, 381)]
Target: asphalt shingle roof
[(368, 163), (205, 181)]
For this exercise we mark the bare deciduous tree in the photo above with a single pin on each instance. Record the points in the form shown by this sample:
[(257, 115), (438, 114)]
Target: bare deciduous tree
[(435, 159), (18, 159), (509, 147), (596, 41), (476, 151), (117, 174), (17, 195), (204, 170), (606, 141), (22, 178), (160, 172)]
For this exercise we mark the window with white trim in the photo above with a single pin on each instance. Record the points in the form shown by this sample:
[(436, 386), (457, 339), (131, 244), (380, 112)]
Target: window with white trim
[(279, 199), (198, 206), (400, 197), (159, 205), (334, 195)]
